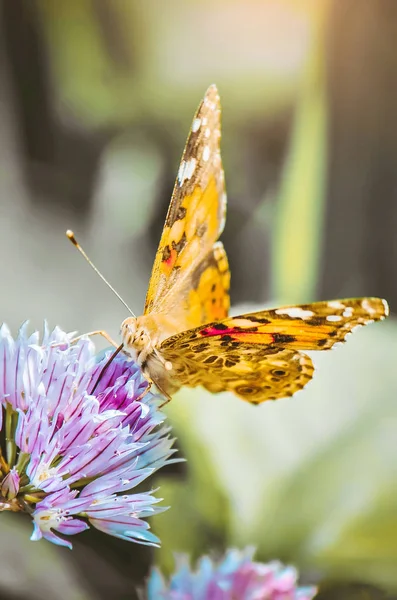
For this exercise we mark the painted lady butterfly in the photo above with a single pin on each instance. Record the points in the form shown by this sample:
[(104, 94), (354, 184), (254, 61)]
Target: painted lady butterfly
[(185, 337)]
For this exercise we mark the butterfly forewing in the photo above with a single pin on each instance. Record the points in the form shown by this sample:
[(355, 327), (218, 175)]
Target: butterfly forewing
[(316, 326), (194, 220)]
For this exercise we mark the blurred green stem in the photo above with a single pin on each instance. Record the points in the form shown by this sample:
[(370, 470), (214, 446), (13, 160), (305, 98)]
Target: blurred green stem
[(298, 225), (11, 421)]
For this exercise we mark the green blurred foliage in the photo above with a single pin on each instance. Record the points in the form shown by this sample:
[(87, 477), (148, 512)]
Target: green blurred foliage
[(200, 508), (353, 592), (298, 223), (310, 480), (89, 79)]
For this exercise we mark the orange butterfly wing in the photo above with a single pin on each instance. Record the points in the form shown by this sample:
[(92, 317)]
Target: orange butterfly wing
[(255, 373), (316, 326), (195, 219), (258, 356), (206, 294)]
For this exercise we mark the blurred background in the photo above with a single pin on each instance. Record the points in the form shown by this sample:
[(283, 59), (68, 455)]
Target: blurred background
[(96, 100)]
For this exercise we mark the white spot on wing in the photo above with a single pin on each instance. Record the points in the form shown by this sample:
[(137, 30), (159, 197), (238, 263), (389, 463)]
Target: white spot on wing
[(335, 304), (223, 202), (348, 312), (207, 132), (295, 312), (386, 306), (332, 318), (211, 105), (190, 166), (181, 172), (367, 306), (196, 124), (206, 153), (186, 170)]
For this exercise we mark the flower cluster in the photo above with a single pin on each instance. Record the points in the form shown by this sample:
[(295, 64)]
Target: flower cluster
[(234, 577), (77, 438)]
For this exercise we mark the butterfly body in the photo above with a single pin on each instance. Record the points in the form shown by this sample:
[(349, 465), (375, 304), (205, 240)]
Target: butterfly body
[(142, 338), (185, 336)]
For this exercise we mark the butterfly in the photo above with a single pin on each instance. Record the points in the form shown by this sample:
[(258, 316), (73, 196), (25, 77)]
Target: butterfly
[(185, 337)]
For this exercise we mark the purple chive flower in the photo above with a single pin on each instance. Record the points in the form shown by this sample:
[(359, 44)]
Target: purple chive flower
[(75, 440), (234, 577)]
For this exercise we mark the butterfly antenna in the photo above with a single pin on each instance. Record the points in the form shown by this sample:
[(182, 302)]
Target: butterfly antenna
[(70, 235)]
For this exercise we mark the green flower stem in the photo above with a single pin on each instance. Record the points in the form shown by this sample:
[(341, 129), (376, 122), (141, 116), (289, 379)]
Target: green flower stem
[(11, 425), (23, 460), (3, 464)]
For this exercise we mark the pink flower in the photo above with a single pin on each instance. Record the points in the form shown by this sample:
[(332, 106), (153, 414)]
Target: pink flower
[(77, 440), (233, 577)]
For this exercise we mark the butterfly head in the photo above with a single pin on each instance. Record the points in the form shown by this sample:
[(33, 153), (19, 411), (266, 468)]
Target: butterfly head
[(136, 338), (140, 338)]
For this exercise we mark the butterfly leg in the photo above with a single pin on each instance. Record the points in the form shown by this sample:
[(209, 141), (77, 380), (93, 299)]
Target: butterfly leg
[(164, 393), (145, 391), (158, 386), (90, 334), (160, 389), (167, 396)]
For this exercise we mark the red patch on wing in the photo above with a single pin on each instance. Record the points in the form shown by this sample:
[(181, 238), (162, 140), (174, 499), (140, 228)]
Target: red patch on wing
[(218, 330), (169, 262), (249, 335)]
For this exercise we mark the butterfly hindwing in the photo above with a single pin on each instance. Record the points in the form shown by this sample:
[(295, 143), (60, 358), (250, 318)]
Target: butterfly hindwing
[(206, 293), (195, 217), (253, 372), (204, 296)]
